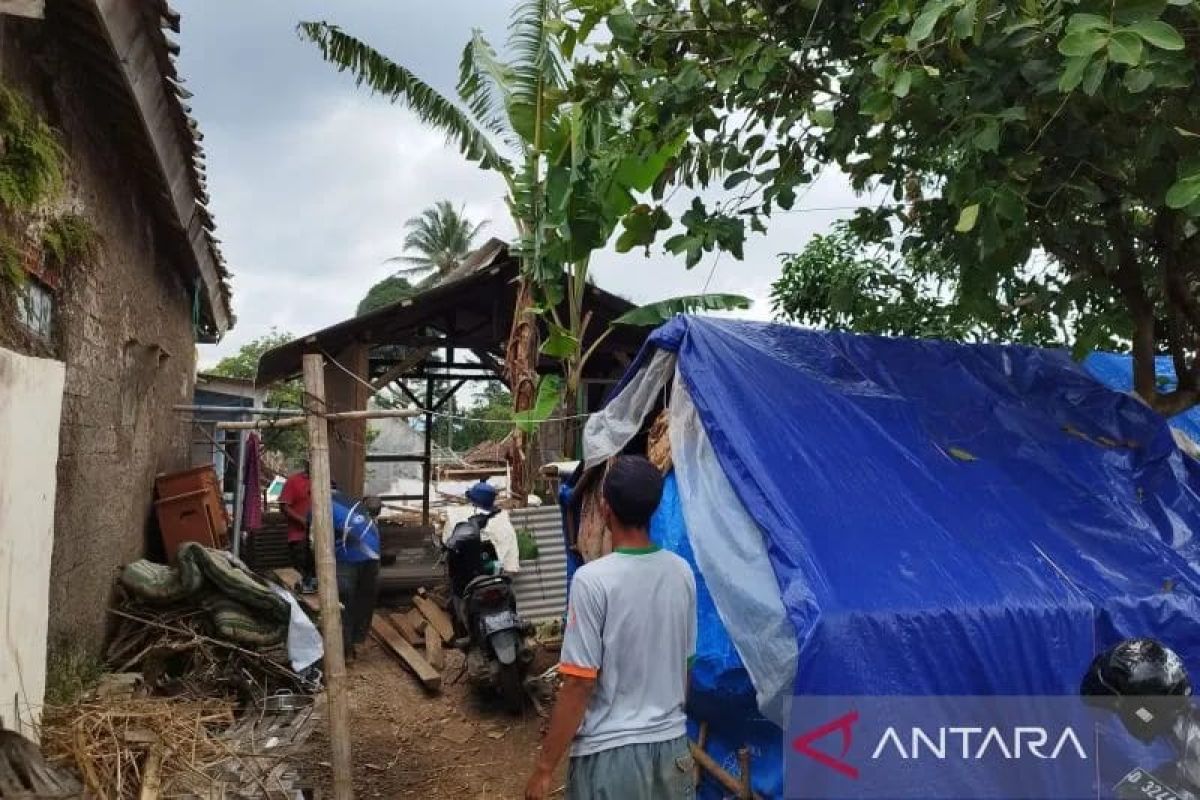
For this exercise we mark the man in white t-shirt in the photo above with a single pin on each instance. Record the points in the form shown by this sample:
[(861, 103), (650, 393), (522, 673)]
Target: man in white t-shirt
[(630, 637)]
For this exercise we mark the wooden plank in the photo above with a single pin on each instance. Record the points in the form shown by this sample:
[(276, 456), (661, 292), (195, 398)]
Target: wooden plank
[(433, 652), (35, 9), (391, 640), (438, 619), (152, 774), (411, 634), (417, 620), (401, 367)]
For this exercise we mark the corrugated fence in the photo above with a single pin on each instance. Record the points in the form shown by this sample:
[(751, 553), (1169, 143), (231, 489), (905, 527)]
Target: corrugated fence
[(541, 585)]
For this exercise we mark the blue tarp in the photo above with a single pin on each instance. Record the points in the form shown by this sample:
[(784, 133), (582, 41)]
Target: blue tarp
[(1115, 371), (720, 689), (943, 519)]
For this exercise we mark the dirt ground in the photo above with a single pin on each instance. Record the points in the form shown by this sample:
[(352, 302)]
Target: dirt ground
[(408, 743)]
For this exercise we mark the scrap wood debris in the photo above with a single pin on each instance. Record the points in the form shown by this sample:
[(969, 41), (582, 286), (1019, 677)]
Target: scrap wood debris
[(119, 744), (206, 627), (140, 747), (175, 652)]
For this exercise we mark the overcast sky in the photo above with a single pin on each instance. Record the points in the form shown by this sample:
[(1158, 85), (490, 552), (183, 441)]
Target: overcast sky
[(311, 178)]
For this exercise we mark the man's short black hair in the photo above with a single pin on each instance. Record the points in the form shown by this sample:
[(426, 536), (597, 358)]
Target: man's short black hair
[(632, 488)]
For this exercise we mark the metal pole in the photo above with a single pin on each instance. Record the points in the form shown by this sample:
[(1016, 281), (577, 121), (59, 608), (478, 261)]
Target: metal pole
[(327, 590), (239, 497)]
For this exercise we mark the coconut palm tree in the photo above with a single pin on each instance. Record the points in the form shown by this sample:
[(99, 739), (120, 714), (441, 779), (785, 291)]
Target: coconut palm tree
[(437, 241)]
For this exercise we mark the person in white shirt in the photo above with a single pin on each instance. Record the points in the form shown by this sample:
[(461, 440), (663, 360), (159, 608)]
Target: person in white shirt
[(628, 645)]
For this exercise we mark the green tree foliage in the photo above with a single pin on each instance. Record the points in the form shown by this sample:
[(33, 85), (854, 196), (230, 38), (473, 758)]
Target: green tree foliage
[(486, 417), (291, 443), (997, 131), (391, 289), (572, 163), (437, 241), (837, 282)]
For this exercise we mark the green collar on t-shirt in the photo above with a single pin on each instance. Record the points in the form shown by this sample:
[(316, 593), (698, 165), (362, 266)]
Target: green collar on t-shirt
[(637, 551)]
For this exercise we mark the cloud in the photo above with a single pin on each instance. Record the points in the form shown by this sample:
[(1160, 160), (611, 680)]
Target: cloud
[(313, 178)]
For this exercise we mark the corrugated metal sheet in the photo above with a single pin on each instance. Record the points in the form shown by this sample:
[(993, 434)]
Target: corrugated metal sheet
[(541, 585)]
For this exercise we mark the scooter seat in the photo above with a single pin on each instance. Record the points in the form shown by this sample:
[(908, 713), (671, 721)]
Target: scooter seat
[(482, 581)]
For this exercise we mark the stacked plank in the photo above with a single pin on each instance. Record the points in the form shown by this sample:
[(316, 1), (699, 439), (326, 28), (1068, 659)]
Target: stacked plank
[(416, 638)]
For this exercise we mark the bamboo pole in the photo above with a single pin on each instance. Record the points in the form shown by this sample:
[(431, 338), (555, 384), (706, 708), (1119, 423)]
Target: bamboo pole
[(327, 591), (340, 416)]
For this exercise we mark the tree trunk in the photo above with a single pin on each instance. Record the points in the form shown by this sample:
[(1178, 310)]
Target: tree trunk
[(520, 367), (570, 426)]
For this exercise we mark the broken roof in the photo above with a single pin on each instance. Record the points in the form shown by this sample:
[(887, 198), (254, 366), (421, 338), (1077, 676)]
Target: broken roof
[(471, 310), (131, 60)]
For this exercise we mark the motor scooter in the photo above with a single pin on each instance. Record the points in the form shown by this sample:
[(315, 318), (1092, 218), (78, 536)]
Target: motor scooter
[(489, 629)]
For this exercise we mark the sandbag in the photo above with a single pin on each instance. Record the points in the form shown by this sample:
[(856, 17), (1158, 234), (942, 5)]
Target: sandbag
[(159, 583), (235, 623), (233, 581)]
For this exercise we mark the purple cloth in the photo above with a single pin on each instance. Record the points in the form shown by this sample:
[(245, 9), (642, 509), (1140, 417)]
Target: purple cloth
[(252, 501)]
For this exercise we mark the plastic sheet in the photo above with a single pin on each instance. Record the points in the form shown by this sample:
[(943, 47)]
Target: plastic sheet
[(947, 519), (721, 691), (608, 431), (730, 552)]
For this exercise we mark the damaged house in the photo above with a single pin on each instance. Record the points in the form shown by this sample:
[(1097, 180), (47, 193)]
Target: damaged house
[(109, 277)]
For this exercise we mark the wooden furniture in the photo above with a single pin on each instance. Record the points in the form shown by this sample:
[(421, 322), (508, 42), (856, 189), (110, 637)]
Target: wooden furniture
[(189, 509)]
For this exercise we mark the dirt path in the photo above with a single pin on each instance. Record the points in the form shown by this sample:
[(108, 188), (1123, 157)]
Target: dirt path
[(410, 744)]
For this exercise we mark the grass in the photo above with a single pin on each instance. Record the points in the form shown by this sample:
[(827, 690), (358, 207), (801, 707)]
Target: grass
[(527, 546)]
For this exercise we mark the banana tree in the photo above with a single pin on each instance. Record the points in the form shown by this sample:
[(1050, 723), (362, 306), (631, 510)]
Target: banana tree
[(503, 111), (571, 172)]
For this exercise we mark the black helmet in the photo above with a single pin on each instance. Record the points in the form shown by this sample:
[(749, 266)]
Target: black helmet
[(1143, 682)]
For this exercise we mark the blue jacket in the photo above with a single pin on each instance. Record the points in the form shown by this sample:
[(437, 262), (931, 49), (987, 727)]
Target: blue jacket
[(355, 535)]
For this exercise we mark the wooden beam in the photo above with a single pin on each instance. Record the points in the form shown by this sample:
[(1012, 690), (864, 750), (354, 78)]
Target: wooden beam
[(331, 617), (346, 392), (34, 9), (446, 397), (433, 649), (438, 619), (411, 634), (392, 641), (401, 367)]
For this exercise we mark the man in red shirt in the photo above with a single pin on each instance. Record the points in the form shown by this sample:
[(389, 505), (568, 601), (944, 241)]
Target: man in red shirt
[(296, 503)]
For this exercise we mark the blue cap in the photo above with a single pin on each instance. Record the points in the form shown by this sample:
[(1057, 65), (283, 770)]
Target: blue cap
[(482, 494)]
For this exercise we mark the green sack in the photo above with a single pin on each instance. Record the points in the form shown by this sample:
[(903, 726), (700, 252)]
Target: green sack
[(158, 583), (233, 581), (235, 623)]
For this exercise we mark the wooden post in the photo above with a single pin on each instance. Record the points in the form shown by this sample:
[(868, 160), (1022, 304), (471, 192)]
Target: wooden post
[(428, 450), (327, 591), (743, 755), (239, 498)]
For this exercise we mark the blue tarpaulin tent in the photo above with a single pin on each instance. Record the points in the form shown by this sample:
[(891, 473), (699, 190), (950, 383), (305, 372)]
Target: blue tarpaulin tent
[(874, 516)]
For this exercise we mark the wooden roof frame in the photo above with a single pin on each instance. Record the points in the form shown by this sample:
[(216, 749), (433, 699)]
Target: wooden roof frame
[(470, 311)]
